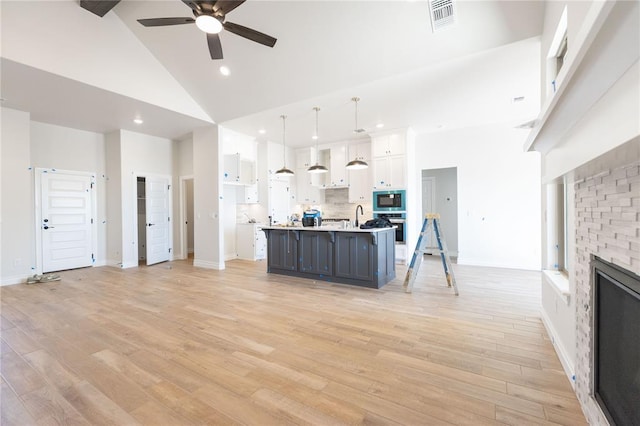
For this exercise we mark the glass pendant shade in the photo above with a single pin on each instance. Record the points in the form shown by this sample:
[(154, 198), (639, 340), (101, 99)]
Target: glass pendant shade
[(317, 168), (284, 171)]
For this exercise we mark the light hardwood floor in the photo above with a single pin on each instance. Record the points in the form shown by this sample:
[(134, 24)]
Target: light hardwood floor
[(171, 344)]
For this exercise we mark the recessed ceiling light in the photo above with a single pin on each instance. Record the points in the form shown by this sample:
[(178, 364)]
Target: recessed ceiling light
[(138, 120), (262, 131), (224, 70), (380, 125), (314, 137)]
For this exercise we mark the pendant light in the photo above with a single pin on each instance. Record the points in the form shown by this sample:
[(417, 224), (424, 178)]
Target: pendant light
[(317, 168), (356, 164), (284, 171)]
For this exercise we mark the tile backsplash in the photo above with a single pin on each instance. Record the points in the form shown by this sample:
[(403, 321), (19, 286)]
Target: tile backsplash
[(337, 206)]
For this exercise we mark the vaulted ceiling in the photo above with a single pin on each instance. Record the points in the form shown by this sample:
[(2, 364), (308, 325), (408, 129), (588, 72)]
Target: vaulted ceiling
[(327, 52)]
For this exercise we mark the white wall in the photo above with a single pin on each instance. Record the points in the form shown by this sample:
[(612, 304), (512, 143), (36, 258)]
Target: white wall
[(114, 199), (64, 148), (97, 51), (17, 232), (595, 129), (208, 203), (498, 193), (141, 155)]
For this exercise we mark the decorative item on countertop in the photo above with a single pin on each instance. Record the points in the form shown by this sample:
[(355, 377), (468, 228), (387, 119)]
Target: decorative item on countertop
[(379, 222), (312, 217)]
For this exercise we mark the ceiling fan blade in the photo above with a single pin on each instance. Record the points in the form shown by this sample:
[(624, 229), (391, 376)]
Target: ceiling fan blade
[(253, 35), (226, 6), (160, 22), (99, 7), (215, 47)]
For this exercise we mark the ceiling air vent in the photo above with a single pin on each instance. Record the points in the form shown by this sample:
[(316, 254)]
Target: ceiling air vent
[(442, 13)]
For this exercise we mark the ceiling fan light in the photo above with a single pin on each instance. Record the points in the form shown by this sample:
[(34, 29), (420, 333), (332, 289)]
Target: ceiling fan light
[(209, 24), (317, 169), (357, 165)]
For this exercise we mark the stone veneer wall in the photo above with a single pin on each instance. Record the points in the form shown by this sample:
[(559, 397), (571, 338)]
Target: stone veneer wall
[(607, 225)]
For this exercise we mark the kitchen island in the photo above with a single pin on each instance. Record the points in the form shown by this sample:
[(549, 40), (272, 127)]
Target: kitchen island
[(363, 257)]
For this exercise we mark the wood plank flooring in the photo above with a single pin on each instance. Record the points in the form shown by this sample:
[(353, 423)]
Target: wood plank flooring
[(171, 344)]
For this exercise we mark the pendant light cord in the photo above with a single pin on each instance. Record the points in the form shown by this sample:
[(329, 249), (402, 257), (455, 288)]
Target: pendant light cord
[(284, 146)]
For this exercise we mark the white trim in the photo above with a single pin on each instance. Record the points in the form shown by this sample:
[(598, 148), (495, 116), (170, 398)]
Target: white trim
[(16, 279), (565, 360), (145, 175), (128, 265), (207, 264), (38, 211), (462, 260), (559, 282), (184, 250)]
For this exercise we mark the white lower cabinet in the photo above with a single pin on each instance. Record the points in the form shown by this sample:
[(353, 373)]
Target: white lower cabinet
[(251, 242)]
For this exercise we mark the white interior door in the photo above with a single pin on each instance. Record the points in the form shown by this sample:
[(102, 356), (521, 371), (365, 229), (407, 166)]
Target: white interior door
[(157, 211), (66, 220), (429, 204)]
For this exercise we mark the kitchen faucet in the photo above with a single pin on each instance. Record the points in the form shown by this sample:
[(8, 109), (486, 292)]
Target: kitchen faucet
[(361, 212)]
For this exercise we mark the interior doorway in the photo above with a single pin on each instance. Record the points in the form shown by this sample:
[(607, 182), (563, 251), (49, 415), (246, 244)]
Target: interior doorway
[(153, 219), (440, 195), (187, 246), (65, 224)]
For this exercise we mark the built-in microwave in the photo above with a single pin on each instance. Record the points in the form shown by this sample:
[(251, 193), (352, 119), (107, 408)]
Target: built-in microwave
[(389, 201)]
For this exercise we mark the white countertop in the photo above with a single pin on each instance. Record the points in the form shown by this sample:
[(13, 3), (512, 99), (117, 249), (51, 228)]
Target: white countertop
[(327, 228)]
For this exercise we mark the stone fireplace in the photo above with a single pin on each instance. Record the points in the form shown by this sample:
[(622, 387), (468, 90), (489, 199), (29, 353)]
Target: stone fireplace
[(607, 225)]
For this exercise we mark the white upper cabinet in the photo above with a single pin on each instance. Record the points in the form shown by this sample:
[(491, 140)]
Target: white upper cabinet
[(389, 160), (239, 158), (338, 177), (239, 170), (389, 144)]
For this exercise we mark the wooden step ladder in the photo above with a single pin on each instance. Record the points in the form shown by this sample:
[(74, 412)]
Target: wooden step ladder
[(430, 220)]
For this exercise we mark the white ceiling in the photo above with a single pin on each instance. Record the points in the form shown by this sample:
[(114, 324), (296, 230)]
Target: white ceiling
[(327, 52)]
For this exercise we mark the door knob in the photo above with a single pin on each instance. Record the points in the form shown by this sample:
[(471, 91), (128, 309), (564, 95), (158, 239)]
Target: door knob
[(150, 224)]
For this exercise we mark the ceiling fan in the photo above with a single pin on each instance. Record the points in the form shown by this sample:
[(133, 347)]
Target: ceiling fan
[(210, 17)]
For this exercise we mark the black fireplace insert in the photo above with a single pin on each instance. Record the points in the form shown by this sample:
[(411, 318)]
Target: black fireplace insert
[(616, 342)]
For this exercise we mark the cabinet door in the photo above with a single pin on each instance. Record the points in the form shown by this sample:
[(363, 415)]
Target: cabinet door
[(337, 171), (316, 252), (379, 146), (260, 244), (354, 256), (396, 144), (396, 171), (231, 173), (279, 200), (380, 173), (283, 250)]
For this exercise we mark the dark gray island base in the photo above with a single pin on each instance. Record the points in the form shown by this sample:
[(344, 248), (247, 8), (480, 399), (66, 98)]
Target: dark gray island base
[(362, 257)]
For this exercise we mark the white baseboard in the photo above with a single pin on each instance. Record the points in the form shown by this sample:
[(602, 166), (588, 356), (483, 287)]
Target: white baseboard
[(16, 279), (230, 257), (207, 264), (128, 265), (567, 364), (100, 263), (475, 262)]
